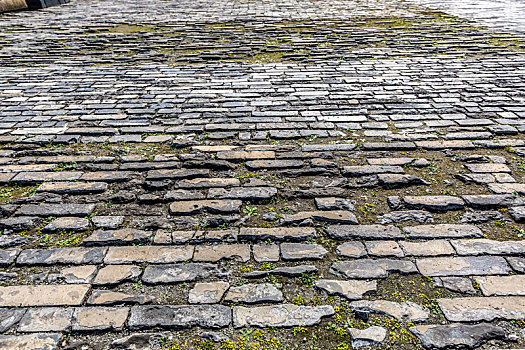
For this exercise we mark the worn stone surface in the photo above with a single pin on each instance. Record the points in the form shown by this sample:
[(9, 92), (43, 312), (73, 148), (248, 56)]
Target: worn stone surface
[(351, 289), (177, 273), (207, 293), (181, 316), (301, 251), (372, 268), (474, 309), (406, 311), (99, 318), (38, 341), (349, 232), (43, 295), (254, 293), (285, 315), (10, 317), (456, 335), (463, 266), (372, 336), (49, 319), (502, 285)]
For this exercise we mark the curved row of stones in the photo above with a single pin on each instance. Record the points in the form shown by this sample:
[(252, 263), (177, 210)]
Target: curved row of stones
[(368, 195)]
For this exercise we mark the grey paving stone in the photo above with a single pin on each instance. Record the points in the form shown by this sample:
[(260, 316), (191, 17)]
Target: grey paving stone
[(476, 309), (76, 256), (456, 335), (371, 268), (254, 294), (10, 317), (405, 312), (285, 315), (442, 231), (351, 289), (180, 316), (348, 232), (301, 251), (154, 274), (38, 341), (463, 266)]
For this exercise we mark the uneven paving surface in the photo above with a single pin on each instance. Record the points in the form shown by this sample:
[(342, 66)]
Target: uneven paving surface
[(260, 175)]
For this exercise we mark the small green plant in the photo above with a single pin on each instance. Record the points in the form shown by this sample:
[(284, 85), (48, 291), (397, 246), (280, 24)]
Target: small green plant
[(307, 278), (250, 211)]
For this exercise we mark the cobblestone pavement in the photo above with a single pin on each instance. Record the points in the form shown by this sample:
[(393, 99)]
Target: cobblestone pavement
[(205, 174), (501, 14)]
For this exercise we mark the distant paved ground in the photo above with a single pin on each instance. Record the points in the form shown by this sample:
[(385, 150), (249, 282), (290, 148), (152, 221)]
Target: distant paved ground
[(260, 175), (500, 14)]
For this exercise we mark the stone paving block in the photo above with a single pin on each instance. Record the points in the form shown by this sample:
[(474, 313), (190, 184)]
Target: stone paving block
[(10, 317), (107, 297), (301, 251), (117, 237), (99, 318), (172, 273), (294, 234), (76, 274), (43, 295), (48, 319), (266, 252), (456, 335), (463, 266), (502, 285), (285, 315), (349, 232), (75, 256), (476, 309), (427, 248), (207, 293), (372, 268), (405, 312), (212, 206), (39, 341), (254, 294), (487, 246), (73, 187), (442, 231), (67, 224), (115, 274), (180, 316), (149, 254), (434, 203), (56, 210), (214, 253), (351, 289)]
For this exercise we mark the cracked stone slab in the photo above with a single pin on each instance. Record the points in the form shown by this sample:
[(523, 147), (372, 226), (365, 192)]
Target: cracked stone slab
[(75, 274), (288, 271), (349, 232), (502, 285), (180, 316), (456, 335), (56, 210), (117, 237), (254, 294), (371, 336), (154, 274), (39, 341), (76, 256), (487, 246), (207, 293), (294, 234), (115, 274), (107, 297), (476, 309), (43, 295), (370, 268), (349, 289), (10, 317), (200, 206), (442, 231), (434, 203), (284, 315), (302, 251), (149, 254), (48, 319), (99, 318), (463, 266), (214, 253), (405, 312)]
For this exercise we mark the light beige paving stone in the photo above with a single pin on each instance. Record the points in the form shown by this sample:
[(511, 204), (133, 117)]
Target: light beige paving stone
[(502, 285), (40, 341), (214, 253), (284, 315), (350, 289), (266, 252), (99, 318), (462, 266), (384, 248), (427, 248), (48, 319), (406, 311), (149, 254), (207, 293), (475, 309), (43, 295), (114, 274)]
